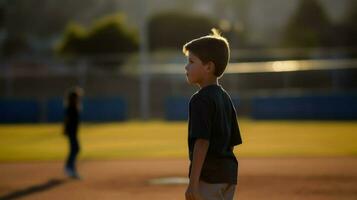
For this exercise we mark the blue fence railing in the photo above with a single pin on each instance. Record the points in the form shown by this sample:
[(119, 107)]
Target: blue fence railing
[(29, 111), (342, 106), (104, 109), (19, 110), (320, 107), (176, 108)]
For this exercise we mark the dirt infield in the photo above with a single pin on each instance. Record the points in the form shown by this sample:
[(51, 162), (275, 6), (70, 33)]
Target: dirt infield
[(260, 178)]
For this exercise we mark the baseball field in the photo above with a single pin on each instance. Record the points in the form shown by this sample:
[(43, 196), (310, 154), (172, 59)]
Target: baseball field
[(148, 160)]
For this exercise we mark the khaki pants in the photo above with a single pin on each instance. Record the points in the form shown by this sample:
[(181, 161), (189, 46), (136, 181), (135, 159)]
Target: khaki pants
[(220, 191)]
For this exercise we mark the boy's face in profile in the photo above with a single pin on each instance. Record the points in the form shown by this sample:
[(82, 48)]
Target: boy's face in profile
[(195, 69)]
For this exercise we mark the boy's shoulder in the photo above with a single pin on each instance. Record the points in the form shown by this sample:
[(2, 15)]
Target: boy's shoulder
[(200, 99), (197, 97), (212, 91), (203, 93), (208, 95)]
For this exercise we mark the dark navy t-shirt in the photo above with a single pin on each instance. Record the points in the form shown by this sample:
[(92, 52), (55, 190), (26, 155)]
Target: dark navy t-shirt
[(72, 122), (212, 116)]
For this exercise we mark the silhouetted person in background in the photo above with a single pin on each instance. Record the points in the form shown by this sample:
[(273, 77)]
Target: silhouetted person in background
[(71, 124)]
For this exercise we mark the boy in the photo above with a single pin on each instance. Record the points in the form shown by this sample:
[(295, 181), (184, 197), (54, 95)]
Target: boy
[(71, 123), (212, 129)]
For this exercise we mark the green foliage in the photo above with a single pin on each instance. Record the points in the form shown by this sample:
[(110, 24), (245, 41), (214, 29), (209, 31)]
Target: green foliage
[(308, 27), (73, 40), (108, 35), (172, 30)]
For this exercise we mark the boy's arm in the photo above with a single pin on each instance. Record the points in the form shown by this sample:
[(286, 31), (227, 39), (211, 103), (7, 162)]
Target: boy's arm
[(199, 155)]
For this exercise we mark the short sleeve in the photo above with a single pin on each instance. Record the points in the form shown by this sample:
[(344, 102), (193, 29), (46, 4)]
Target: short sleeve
[(199, 119), (236, 138)]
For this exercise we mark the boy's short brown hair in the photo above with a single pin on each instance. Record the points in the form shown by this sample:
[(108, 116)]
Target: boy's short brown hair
[(213, 48)]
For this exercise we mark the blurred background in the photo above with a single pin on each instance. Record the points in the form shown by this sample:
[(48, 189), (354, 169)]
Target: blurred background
[(292, 77), (290, 59)]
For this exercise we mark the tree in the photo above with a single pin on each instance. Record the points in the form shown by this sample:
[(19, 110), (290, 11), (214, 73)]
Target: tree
[(109, 35), (308, 27), (73, 40)]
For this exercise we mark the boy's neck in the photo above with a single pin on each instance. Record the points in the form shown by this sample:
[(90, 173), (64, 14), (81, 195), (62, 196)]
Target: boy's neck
[(205, 83)]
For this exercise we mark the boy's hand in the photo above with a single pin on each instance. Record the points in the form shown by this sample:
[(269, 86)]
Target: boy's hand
[(193, 193), (199, 155)]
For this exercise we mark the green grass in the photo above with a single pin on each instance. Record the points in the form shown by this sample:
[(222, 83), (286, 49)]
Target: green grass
[(158, 139)]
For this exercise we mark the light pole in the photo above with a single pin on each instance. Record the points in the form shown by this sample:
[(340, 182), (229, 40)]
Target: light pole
[(144, 64)]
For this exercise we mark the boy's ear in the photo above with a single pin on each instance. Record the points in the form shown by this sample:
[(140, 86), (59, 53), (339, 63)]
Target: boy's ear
[(210, 66)]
